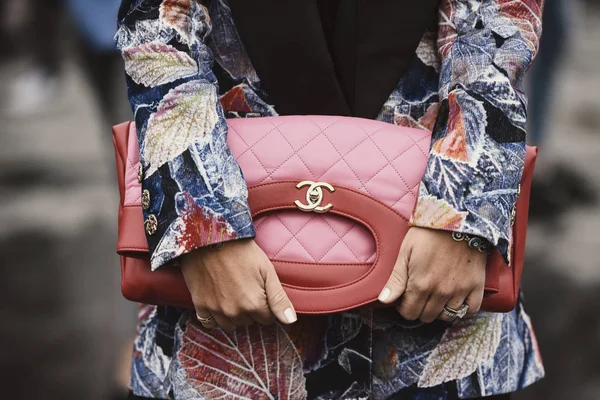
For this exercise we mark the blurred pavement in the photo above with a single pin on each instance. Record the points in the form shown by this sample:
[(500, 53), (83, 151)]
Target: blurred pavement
[(63, 319), (562, 271)]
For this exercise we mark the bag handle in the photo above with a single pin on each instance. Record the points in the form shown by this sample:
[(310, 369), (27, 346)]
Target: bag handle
[(387, 226)]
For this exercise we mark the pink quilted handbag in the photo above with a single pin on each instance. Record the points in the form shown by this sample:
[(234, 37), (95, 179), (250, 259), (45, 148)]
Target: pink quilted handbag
[(331, 198)]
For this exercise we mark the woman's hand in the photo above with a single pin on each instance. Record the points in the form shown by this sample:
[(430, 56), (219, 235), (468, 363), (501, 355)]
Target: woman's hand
[(432, 271), (236, 285)]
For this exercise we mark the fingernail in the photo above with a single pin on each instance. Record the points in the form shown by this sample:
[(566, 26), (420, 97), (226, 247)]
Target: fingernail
[(385, 293), (290, 315)]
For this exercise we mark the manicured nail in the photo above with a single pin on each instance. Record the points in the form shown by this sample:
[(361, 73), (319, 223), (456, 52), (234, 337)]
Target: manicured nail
[(385, 293), (290, 315)]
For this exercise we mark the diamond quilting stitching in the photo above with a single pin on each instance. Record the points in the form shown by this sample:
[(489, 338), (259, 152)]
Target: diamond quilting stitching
[(237, 135), (262, 232), (404, 152), (295, 153), (406, 194), (341, 239), (312, 175), (410, 137), (291, 233), (342, 156), (390, 162), (248, 148), (251, 149), (368, 137), (131, 165), (258, 222), (322, 238), (333, 238), (261, 138), (294, 237), (428, 142), (349, 153), (314, 137)]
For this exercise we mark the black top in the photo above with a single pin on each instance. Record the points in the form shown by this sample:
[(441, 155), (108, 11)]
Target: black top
[(331, 57)]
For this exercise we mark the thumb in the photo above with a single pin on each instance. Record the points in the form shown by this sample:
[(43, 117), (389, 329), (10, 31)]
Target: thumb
[(396, 284), (279, 303)]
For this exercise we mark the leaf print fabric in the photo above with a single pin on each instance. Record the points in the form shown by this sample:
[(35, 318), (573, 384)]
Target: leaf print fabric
[(181, 126), (308, 336), (478, 149), (441, 214), (196, 226), (150, 366), (184, 116), (253, 362), (464, 84), (516, 362), (155, 64), (187, 17), (400, 352), (464, 346)]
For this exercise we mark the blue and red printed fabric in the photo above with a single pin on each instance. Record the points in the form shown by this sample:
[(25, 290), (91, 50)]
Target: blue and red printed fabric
[(464, 84)]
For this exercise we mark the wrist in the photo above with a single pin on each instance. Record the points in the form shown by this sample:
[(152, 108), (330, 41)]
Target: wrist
[(474, 242)]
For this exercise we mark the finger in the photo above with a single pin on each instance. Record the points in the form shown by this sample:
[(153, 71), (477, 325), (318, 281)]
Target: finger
[(455, 302), (412, 304), (434, 307), (474, 300), (237, 315), (224, 322), (242, 320), (205, 318), (396, 284), (278, 301), (262, 314)]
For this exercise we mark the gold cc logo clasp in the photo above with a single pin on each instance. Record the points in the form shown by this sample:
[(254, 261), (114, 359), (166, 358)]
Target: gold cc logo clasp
[(314, 196)]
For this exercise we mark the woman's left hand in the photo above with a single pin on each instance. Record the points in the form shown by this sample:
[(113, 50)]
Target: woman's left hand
[(432, 271)]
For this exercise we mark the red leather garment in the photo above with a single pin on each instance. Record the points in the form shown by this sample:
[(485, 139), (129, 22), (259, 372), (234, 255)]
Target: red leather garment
[(313, 288)]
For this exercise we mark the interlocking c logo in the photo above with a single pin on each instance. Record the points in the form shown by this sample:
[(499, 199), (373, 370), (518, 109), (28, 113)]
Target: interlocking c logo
[(314, 196)]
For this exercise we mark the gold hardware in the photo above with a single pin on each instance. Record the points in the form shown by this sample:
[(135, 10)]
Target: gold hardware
[(140, 174), (314, 196), (151, 225), (145, 199)]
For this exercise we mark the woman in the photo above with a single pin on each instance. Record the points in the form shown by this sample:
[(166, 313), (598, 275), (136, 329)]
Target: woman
[(453, 66)]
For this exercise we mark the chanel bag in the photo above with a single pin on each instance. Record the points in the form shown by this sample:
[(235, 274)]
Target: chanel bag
[(331, 198)]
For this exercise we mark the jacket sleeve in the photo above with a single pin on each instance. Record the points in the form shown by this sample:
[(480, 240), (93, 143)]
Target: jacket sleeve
[(478, 147), (194, 194)]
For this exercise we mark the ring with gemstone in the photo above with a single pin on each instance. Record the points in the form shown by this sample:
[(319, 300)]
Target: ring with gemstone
[(454, 313)]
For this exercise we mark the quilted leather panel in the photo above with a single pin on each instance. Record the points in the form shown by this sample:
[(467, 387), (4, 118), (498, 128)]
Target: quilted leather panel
[(376, 158), (380, 159), (290, 236)]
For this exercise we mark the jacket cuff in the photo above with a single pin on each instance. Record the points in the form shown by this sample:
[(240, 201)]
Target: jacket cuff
[(434, 213), (184, 222), (189, 232)]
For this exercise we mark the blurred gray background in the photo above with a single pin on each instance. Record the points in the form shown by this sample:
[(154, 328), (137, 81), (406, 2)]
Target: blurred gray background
[(66, 332)]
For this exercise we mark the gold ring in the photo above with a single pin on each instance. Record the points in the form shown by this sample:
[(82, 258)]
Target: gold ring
[(204, 321)]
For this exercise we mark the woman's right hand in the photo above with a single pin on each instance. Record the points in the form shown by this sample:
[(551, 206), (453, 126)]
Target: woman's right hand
[(236, 285)]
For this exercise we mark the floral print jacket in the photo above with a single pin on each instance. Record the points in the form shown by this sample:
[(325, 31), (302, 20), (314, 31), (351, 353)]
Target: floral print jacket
[(464, 84)]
